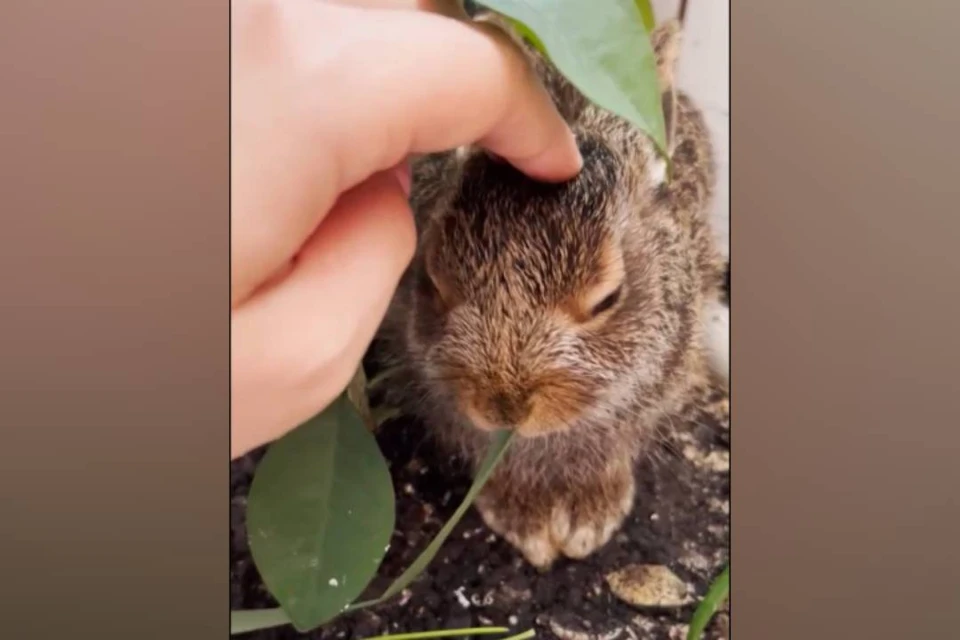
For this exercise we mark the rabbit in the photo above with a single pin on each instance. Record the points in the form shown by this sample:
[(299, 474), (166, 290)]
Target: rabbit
[(569, 313)]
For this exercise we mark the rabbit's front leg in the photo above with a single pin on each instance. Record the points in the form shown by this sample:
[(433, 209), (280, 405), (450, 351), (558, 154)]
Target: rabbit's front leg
[(563, 513)]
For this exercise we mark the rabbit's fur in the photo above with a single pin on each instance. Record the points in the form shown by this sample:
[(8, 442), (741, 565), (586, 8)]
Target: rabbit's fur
[(491, 326)]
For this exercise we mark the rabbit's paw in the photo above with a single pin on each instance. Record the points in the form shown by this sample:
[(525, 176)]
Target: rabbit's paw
[(544, 523)]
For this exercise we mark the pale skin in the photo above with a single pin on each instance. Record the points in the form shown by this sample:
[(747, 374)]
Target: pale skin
[(329, 100)]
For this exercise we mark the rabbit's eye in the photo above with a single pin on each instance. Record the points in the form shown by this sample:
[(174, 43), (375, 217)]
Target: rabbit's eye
[(607, 303)]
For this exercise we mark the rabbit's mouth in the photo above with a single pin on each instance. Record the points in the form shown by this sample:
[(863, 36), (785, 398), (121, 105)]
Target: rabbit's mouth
[(530, 416), (495, 415)]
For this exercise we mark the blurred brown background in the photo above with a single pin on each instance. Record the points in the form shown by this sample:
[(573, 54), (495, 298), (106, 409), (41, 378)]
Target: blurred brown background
[(114, 351), (845, 342)]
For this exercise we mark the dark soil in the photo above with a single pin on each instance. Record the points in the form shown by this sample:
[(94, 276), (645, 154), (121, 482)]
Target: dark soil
[(681, 520)]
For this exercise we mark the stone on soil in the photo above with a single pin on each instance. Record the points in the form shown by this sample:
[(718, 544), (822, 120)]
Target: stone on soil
[(649, 586), (570, 627)]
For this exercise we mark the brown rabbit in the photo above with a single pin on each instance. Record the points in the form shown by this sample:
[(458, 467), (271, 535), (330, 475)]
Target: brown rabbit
[(570, 313)]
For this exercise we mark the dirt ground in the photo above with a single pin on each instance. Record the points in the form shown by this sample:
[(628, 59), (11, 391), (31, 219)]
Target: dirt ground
[(680, 520)]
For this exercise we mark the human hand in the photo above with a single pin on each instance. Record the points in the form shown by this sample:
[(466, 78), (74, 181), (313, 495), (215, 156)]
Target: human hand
[(328, 99)]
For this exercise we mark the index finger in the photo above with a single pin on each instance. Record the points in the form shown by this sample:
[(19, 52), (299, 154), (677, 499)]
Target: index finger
[(418, 82)]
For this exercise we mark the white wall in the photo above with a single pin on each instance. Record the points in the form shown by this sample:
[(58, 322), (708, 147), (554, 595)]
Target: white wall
[(704, 73)]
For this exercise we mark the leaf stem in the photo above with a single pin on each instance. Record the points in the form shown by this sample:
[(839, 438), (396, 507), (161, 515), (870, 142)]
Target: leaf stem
[(498, 447), (682, 12), (443, 633)]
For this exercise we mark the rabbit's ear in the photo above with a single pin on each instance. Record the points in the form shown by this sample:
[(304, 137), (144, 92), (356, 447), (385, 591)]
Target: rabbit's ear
[(666, 39)]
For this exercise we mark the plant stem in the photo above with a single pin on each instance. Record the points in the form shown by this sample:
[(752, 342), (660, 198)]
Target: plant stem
[(443, 633), (498, 447), (711, 602), (682, 12)]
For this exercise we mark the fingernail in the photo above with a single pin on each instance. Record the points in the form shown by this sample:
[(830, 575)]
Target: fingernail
[(559, 163)]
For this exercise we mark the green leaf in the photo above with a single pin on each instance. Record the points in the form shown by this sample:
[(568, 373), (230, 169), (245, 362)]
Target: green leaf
[(498, 447), (320, 515), (708, 606), (602, 48), (246, 620)]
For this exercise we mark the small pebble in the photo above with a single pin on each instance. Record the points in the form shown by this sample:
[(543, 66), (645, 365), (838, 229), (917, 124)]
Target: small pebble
[(462, 599), (569, 627), (644, 585), (678, 631)]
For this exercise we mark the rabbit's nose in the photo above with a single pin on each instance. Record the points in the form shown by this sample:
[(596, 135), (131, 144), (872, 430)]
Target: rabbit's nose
[(509, 409)]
